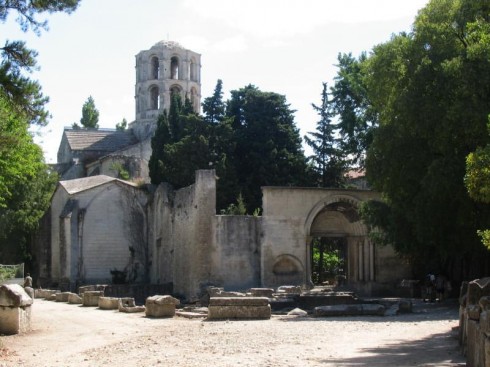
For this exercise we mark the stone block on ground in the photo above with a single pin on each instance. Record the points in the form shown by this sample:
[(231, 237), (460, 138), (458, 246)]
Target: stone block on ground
[(91, 298), (44, 293), (161, 306), (15, 309), (261, 292), (75, 299), (289, 289), (239, 308), (108, 303), (63, 296), (350, 310), (127, 305)]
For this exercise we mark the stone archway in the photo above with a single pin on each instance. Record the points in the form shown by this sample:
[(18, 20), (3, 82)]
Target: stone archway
[(337, 219)]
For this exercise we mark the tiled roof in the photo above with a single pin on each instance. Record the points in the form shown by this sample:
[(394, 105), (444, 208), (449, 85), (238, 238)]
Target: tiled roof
[(86, 183), (99, 139)]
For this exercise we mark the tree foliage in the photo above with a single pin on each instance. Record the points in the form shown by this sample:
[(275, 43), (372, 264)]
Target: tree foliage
[(123, 125), (90, 114), (327, 159), (431, 91), (356, 114), (26, 183), (255, 143)]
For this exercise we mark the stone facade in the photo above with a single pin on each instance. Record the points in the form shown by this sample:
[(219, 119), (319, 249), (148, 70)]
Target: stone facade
[(99, 226), (163, 236)]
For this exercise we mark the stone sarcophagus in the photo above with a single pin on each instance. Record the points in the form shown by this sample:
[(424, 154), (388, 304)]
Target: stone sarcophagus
[(161, 306), (15, 309), (239, 308)]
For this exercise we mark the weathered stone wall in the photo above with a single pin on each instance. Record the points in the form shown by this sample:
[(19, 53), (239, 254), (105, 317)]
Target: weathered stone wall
[(194, 209), (236, 261), (293, 216), (160, 235), (96, 231)]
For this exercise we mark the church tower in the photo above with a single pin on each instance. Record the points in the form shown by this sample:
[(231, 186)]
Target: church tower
[(164, 69)]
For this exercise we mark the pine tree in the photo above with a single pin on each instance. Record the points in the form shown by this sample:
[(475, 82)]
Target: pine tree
[(90, 114), (158, 142), (214, 107), (327, 160)]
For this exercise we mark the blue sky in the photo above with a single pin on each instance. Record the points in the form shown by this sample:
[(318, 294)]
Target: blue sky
[(284, 46)]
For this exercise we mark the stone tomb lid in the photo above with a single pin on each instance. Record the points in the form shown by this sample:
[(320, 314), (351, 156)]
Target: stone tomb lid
[(14, 295)]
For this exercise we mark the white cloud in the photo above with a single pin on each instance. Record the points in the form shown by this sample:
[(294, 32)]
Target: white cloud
[(273, 18)]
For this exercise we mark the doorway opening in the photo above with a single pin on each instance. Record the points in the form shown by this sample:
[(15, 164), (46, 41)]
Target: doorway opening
[(329, 261)]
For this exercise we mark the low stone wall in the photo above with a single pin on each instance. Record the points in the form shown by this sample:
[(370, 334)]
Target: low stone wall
[(474, 321), (239, 308), (15, 309)]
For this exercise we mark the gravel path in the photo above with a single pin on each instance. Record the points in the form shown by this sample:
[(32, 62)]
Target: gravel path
[(71, 335)]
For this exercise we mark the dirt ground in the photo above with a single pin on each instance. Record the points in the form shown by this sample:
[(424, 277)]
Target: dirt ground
[(71, 335)]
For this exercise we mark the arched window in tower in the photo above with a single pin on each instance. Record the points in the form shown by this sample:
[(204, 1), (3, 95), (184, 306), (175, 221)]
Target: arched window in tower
[(155, 68), (154, 98), (193, 70), (175, 89), (174, 67)]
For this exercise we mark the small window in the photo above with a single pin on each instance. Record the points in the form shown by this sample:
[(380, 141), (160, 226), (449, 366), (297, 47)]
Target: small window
[(155, 68), (154, 98), (174, 68)]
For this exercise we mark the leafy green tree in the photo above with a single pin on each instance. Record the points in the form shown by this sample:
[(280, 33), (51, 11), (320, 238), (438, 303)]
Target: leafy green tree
[(26, 184), (431, 91), (214, 107), (123, 125), (327, 159), (356, 114), (90, 114), (268, 145), (23, 94)]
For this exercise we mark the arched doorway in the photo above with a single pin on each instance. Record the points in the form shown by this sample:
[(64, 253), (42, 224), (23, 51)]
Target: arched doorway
[(338, 252)]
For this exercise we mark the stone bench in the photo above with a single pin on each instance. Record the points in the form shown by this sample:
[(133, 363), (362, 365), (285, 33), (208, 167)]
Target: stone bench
[(15, 309), (239, 308), (161, 306), (91, 298), (365, 309), (108, 303)]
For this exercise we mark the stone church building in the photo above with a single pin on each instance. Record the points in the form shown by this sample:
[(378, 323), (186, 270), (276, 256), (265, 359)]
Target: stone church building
[(99, 224)]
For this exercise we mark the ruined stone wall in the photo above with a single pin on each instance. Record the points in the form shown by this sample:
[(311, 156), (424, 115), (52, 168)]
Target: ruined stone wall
[(291, 216), (237, 256), (194, 209), (160, 234), (98, 230)]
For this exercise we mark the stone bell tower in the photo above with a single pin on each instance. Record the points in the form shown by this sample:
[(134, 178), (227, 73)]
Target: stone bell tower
[(164, 69)]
